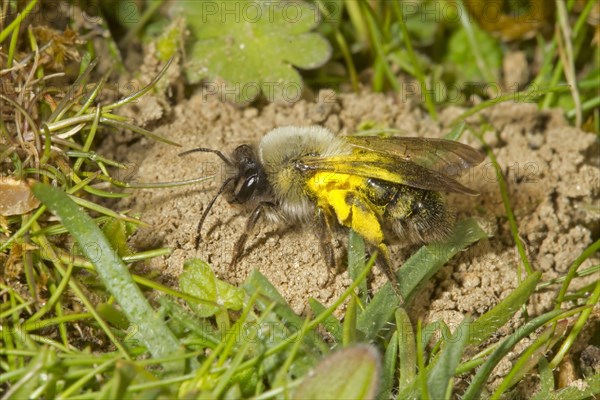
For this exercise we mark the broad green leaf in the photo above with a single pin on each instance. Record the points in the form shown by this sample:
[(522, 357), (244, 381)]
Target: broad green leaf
[(183, 323), (407, 350), (113, 315), (199, 280), (331, 324), (116, 233), (351, 373), (491, 321), (257, 282), (152, 330), (461, 58), (416, 271), (440, 376), (249, 47), (356, 260)]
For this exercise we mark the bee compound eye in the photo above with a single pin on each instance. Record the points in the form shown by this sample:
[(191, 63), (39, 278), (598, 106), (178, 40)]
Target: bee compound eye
[(300, 166), (246, 189)]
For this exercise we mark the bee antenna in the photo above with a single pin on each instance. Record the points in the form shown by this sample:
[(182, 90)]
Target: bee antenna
[(206, 211), (205, 150)]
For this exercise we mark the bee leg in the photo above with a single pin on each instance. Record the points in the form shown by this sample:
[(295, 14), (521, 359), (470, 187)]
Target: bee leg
[(250, 224), (383, 262), (323, 233)]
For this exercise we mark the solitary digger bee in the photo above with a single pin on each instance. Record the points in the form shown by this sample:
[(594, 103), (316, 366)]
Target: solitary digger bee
[(381, 187)]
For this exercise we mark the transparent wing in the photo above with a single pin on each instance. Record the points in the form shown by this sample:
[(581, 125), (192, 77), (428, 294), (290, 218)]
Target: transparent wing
[(447, 157), (382, 166)]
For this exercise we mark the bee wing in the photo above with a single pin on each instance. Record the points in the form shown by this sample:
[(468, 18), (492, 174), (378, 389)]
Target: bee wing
[(445, 156), (384, 167)]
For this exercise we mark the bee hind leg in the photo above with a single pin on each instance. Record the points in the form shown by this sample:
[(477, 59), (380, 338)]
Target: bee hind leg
[(384, 264), (250, 224), (325, 237)]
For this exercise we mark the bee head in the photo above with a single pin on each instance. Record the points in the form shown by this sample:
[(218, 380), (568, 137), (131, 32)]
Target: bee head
[(250, 178), (248, 182)]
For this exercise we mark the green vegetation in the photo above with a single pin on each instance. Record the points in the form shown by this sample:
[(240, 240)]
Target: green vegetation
[(76, 319)]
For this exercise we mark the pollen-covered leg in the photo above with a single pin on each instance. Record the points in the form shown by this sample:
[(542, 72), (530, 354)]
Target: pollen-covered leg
[(250, 224), (364, 220)]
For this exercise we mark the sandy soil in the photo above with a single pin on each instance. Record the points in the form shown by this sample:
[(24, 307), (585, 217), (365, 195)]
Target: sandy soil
[(551, 169)]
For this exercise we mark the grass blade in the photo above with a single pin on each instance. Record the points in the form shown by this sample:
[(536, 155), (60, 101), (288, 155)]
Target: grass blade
[(390, 359), (478, 383), (152, 330), (439, 379), (591, 388), (491, 321)]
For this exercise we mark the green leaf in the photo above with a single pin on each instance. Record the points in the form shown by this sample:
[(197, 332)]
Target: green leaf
[(185, 324), (589, 388), (113, 315), (416, 271), (331, 324), (252, 45), (546, 380), (456, 132), (440, 376), (199, 280), (389, 368), (257, 282), (421, 24), (491, 321), (356, 260), (36, 370), (126, 13), (479, 380), (462, 60), (351, 373), (152, 330), (349, 325), (407, 350), (116, 233), (169, 41)]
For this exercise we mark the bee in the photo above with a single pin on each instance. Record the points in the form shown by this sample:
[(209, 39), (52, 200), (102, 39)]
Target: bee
[(384, 188)]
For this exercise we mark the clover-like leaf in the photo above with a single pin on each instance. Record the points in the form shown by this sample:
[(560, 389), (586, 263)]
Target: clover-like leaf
[(248, 47), (199, 280)]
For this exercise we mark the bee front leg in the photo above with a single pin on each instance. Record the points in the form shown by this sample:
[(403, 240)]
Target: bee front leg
[(323, 233), (250, 224)]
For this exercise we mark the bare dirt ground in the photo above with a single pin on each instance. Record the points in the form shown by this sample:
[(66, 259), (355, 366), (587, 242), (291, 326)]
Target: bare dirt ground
[(551, 170)]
